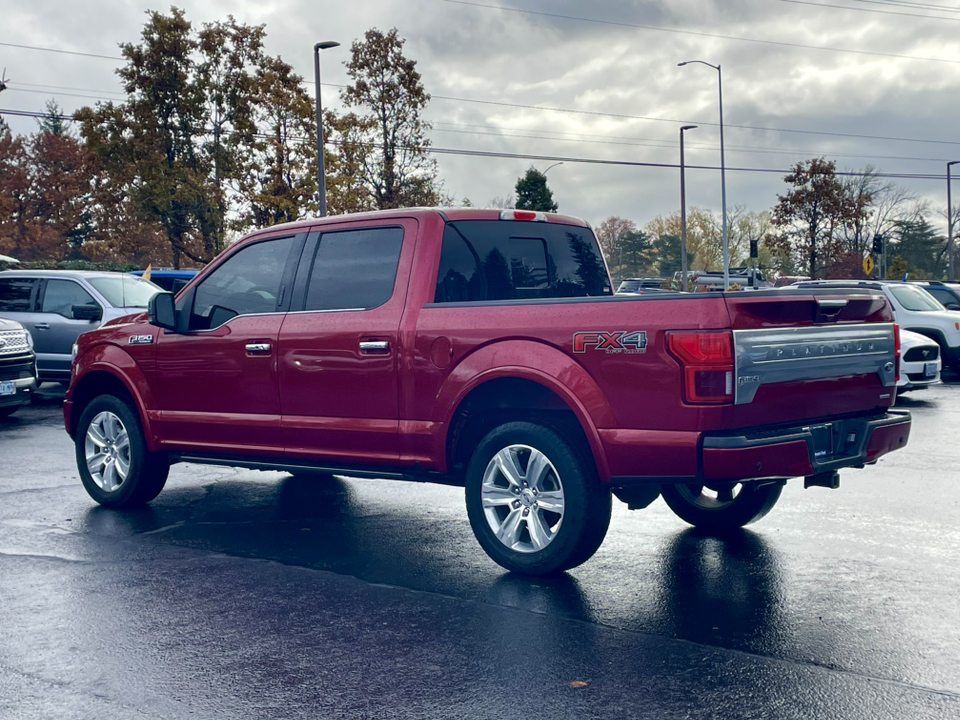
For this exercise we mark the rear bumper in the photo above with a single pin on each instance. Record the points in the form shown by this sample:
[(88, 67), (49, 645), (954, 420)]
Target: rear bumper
[(804, 451), (783, 453)]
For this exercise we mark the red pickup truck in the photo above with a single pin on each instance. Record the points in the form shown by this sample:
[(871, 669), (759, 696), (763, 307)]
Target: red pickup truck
[(486, 349)]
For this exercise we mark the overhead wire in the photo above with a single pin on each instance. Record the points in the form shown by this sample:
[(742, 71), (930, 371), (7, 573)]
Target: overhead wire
[(594, 112), (870, 10), (563, 158), (899, 3)]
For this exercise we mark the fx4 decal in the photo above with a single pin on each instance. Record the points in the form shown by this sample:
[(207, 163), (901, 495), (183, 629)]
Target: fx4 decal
[(612, 343)]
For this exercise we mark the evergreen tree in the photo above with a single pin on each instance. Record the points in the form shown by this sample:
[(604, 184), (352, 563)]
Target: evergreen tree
[(533, 193)]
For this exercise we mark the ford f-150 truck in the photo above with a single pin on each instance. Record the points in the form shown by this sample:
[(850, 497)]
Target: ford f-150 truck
[(487, 349)]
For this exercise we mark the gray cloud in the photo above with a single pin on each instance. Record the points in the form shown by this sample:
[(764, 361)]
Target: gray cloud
[(507, 57)]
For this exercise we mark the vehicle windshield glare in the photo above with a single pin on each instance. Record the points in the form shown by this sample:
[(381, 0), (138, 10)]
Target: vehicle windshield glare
[(915, 299), (125, 290)]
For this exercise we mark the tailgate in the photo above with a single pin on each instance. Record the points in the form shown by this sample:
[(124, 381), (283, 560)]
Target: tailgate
[(787, 355), (810, 354)]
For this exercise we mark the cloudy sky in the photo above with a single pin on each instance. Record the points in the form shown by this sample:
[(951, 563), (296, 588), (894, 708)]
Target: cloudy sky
[(860, 81)]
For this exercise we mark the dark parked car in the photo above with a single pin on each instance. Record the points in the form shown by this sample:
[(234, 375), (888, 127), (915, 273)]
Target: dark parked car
[(18, 367), (947, 293), (56, 306)]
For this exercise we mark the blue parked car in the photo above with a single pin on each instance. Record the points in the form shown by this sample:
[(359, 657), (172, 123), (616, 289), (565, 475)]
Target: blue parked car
[(169, 280)]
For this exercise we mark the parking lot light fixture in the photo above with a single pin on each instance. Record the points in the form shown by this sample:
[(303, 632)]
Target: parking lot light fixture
[(321, 173), (683, 212), (951, 267), (723, 174)]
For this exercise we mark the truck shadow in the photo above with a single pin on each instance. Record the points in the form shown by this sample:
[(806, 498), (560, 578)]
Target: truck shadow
[(721, 590)]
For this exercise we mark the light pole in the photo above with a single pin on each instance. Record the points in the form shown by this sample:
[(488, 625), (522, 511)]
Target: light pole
[(951, 271), (321, 174), (723, 175), (552, 166), (683, 212)]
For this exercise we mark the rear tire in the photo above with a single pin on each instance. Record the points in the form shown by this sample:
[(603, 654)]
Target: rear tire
[(116, 468), (722, 506), (534, 500)]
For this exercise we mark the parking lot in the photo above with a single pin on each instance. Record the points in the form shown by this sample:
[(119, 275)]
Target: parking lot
[(243, 594)]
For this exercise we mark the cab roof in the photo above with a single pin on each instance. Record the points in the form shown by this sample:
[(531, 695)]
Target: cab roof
[(448, 213)]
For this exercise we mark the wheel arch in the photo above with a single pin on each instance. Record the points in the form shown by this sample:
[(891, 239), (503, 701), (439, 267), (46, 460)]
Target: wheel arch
[(106, 379), (499, 383)]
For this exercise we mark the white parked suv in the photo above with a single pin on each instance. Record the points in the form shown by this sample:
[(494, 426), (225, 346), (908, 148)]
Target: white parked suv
[(915, 309), (920, 362)]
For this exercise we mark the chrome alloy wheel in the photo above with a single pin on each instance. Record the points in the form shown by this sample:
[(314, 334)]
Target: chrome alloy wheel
[(522, 498), (107, 451), (711, 497)]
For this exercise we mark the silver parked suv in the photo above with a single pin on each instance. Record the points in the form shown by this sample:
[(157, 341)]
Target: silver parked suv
[(56, 306)]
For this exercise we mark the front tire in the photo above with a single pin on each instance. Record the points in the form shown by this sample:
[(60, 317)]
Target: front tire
[(722, 506), (116, 468), (534, 500)]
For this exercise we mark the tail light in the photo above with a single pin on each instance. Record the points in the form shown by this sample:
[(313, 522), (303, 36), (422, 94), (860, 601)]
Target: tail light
[(896, 344), (707, 361)]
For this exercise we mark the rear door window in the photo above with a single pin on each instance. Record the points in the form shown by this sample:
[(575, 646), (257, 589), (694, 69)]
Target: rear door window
[(509, 260), (354, 269), (17, 294)]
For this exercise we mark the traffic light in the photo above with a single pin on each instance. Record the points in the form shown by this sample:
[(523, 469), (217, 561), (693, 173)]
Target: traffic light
[(878, 244), (754, 248)]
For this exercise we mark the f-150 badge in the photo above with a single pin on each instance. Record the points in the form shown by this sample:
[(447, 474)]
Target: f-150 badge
[(612, 343), (140, 339)]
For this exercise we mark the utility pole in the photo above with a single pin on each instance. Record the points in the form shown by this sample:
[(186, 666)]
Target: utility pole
[(321, 171), (951, 269), (683, 212)]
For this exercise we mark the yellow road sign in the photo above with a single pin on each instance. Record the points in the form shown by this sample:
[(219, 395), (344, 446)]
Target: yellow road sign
[(869, 265)]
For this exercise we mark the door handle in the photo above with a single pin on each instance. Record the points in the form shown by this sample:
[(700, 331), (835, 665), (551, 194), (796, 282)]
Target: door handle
[(258, 348), (42, 326), (374, 346)]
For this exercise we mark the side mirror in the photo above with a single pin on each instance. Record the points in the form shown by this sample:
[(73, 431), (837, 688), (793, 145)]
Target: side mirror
[(161, 311), (89, 312), (952, 306)]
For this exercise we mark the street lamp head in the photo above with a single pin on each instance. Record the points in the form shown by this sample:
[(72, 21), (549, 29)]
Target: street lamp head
[(688, 127), (326, 44), (701, 62), (953, 162)]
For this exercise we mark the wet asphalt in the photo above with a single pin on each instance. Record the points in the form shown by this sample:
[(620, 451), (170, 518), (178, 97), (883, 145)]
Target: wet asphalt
[(243, 594)]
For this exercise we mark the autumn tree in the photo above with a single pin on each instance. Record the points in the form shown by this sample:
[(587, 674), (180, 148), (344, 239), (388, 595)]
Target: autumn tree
[(44, 192), (704, 237), (385, 138), (812, 215), (61, 169), (277, 174), (230, 71), (150, 143), (533, 192), (346, 170), (14, 195)]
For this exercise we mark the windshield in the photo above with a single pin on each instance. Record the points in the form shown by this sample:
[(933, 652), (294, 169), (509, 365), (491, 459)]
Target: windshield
[(915, 299), (125, 290)]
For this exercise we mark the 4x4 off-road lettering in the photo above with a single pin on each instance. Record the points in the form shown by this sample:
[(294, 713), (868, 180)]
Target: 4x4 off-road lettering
[(620, 341)]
